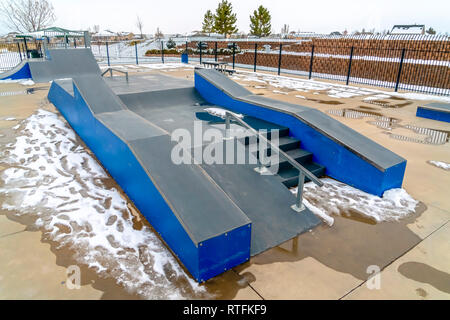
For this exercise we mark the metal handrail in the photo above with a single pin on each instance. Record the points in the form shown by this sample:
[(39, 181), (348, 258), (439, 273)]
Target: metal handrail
[(110, 70), (302, 170)]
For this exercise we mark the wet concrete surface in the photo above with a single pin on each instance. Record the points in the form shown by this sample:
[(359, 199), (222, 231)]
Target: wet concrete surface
[(351, 245)]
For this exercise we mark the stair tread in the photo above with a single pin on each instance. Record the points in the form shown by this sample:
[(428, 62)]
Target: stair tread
[(299, 155), (292, 172)]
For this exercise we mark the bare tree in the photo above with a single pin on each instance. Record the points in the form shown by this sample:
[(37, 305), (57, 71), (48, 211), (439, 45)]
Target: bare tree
[(27, 15), (140, 26), (158, 34)]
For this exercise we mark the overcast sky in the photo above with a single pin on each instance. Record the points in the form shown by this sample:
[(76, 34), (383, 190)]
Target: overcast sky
[(321, 16)]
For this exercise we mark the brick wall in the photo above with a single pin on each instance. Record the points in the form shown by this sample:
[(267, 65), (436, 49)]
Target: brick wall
[(426, 62)]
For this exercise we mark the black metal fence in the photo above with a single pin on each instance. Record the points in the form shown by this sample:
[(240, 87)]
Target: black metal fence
[(414, 63), (420, 64)]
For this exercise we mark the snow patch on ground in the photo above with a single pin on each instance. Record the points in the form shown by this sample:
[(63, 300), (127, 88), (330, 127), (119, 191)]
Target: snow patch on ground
[(221, 113), (337, 198), (332, 89), (279, 92), (24, 82), (440, 164), (54, 180)]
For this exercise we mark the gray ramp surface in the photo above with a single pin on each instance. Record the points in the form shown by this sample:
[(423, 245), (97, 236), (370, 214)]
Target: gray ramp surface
[(230, 87), (438, 106), (145, 83), (201, 205), (267, 203), (163, 98), (128, 125), (64, 63), (98, 94)]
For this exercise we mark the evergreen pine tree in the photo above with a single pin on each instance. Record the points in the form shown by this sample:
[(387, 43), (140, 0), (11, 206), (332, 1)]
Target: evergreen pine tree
[(208, 22), (260, 22), (225, 19), (431, 31), (171, 44)]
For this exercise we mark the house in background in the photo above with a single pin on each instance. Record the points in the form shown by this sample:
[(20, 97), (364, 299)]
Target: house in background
[(10, 37), (108, 35), (408, 29)]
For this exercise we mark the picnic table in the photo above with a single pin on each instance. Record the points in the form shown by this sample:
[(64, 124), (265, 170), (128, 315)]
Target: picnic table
[(219, 66)]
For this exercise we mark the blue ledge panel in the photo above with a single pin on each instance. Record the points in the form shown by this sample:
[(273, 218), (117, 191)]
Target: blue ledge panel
[(204, 258), (347, 155), (435, 111), (22, 71)]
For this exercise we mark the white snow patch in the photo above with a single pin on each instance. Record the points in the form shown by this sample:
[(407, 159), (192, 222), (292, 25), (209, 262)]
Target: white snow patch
[(377, 97), (279, 92), (335, 197), (27, 82), (299, 96), (219, 112), (53, 179), (440, 164), (24, 82), (338, 90)]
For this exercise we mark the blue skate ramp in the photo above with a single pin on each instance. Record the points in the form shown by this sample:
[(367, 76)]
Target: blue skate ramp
[(347, 155), (434, 111), (213, 217)]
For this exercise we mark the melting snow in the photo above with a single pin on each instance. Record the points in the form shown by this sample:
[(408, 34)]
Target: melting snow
[(335, 197), (440, 164), (332, 89), (54, 180), (221, 113)]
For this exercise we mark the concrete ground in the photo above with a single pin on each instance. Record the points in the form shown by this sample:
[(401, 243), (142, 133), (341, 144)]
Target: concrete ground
[(326, 263)]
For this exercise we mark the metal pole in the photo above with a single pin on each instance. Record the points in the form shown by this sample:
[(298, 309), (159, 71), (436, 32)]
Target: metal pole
[(400, 69), (311, 62), (215, 53), (200, 44), (299, 203), (349, 66), (65, 41), (254, 63), (234, 53), (75, 42), (26, 48), (20, 52), (279, 59), (107, 53), (227, 126), (162, 51), (135, 49)]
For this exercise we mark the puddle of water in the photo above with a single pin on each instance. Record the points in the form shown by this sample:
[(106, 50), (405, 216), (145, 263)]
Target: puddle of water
[(353, 113), (368, 108), (432, 136), (331, 102), (424, 273), (386, 104)]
